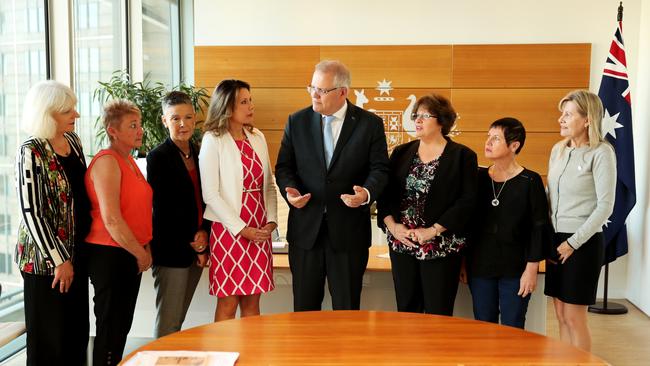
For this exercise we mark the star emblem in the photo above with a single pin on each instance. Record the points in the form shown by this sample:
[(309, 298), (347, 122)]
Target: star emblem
[(384, 87), (610, 123)]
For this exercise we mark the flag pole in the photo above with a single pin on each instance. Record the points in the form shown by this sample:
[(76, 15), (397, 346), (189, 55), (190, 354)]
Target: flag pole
[(605, 307)]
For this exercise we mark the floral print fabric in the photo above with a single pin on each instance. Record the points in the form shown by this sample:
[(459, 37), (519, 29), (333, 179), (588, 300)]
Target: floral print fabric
[(46, 233), (418, 182)]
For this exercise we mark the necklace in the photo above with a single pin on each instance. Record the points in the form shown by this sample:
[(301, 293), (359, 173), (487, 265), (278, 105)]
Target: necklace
[(495, 201), (186, 156)]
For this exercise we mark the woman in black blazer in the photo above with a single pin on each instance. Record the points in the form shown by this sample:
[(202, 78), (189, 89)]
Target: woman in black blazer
[(180, 234), (426, 208)]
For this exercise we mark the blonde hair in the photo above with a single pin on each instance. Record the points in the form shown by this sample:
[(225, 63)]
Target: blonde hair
[(113, 112), (222, 103), (43, 99), (591, 108)]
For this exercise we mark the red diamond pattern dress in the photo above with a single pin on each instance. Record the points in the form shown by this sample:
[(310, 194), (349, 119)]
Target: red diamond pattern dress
[(238, 266)]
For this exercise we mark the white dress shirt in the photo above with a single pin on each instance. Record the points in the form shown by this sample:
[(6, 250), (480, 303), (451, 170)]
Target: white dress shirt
[(337, 125)]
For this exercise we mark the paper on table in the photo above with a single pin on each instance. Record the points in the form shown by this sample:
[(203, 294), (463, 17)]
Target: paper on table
[(384, 255), (150, 358)]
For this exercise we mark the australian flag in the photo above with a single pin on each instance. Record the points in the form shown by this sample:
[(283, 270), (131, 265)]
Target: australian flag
[(617, 128)]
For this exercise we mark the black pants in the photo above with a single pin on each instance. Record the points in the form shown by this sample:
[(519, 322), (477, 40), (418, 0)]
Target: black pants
[(115, 278), (427, 286), (57, 324), (343, 269)]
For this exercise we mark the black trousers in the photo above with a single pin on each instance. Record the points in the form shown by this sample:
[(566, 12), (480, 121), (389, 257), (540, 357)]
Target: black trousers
[(57, 324), (115, 278), (425, 286), (343, 269)]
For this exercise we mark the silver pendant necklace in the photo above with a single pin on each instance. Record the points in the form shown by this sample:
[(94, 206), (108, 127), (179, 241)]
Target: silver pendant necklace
[(495, 201)]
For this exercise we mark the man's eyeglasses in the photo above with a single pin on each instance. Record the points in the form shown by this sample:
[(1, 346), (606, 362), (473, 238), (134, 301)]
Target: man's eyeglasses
[(416, 116), (319, 91)]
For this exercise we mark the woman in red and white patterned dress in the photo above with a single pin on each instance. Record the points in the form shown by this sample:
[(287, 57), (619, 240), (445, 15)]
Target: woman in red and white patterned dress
[(240, 198)]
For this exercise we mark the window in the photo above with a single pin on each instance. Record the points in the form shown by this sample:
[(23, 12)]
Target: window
[(5, 224), (22, 63), (98, 41), (98, 44), (161, 40), (35, 17)]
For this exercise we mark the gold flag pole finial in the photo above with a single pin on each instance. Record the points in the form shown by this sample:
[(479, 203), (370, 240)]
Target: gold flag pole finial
[(620, 12)]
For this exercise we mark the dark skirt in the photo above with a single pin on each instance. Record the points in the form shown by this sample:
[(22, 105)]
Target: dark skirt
[(576, 281)]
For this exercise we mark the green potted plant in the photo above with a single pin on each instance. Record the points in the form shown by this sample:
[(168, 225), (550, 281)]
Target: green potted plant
[(147, 96)]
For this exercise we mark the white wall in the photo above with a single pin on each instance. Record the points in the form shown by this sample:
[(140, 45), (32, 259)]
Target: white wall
[(366, 22), (639, 258)]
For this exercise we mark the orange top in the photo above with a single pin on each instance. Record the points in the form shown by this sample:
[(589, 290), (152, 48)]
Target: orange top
[(135, 203)]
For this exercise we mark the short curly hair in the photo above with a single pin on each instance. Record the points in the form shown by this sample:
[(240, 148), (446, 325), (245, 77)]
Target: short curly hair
[(440, 107), (114, 110)]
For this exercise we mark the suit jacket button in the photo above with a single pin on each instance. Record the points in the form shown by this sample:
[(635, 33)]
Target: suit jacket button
[(329, 181)]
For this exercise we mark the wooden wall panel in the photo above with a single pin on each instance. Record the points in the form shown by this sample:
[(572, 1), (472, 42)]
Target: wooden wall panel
[(273, 106), (534, 155), (261, 66), (273, 140), (399, 104), (405, 66), (484, 82), (521, 66), (535, 108)]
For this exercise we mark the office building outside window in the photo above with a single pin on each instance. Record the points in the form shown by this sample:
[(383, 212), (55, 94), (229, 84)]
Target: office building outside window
[(99, 51), (22, 63), (161, 41)]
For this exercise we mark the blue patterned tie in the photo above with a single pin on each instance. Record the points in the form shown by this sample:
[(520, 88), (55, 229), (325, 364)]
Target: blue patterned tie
[(328, 139)]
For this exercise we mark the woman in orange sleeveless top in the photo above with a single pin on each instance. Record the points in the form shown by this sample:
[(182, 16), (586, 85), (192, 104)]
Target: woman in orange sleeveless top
[(118, 250)]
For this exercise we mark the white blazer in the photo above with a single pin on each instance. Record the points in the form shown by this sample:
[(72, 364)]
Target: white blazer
[(222, 179)]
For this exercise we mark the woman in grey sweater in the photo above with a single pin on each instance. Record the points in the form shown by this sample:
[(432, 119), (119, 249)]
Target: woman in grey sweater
[(581, 191)]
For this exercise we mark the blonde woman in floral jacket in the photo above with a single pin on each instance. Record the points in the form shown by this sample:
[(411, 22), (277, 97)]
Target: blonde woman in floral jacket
[(50, 168)]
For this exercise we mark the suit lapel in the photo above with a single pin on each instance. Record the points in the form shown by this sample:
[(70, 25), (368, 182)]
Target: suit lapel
[(176, 163), (349, 124), (406, 161), (316, 132), (443, 166)]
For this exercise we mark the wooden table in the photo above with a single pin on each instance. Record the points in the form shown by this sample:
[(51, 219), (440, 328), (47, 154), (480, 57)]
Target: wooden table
[(373, 338)]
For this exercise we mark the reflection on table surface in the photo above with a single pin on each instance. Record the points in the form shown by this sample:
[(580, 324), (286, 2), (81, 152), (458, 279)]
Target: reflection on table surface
[(370, 337)]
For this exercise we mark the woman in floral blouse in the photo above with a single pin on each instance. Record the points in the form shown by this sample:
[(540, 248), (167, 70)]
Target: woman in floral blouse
[(426, 208), (50, 170)]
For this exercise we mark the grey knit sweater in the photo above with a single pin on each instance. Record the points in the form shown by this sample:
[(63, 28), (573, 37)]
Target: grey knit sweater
[(581, 189)]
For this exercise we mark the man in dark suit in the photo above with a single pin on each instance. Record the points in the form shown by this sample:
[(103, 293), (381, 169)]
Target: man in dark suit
[(332, 164)]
